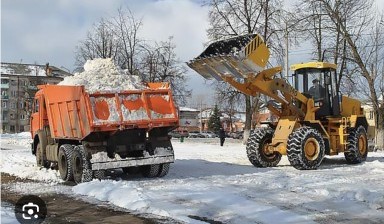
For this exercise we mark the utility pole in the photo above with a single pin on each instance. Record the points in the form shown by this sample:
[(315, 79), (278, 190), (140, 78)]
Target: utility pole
[(286, 50)]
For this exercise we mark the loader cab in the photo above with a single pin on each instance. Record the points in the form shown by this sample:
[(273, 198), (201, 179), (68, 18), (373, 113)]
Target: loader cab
[(317, 80)]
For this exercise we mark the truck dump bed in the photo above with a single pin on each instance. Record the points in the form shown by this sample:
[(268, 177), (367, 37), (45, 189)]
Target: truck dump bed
[(74, 114)]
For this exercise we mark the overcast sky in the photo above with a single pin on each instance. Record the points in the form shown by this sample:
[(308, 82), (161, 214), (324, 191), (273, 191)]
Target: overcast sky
[(41, 31)]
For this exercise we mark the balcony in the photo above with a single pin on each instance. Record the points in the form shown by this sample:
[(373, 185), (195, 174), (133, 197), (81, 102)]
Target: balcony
[(4, 97), (4, 85)]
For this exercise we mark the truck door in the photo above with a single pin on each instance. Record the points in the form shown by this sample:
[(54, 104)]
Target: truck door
[(35, 117)]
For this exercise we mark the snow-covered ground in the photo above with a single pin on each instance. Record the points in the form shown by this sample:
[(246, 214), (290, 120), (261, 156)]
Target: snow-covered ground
[(7, 214), (209, 182)]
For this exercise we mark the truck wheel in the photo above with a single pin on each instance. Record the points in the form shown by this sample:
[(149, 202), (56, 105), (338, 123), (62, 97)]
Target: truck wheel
[(39, 157), (82, 171), (65, 162), (257, 151), (151, 170), (131, 170), (305, 149), (357, 146), (99, 174), (164, 169)]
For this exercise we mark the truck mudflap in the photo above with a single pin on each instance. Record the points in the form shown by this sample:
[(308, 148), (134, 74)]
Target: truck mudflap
[(100, 160)]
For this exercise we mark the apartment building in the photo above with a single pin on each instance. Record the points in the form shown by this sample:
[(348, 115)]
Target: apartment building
[(18, 87)]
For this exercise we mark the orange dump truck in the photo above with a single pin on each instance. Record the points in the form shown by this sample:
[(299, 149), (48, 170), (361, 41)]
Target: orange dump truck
[(84, 134)]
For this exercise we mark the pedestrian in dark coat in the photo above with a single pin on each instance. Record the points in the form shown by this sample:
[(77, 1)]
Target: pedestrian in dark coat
[(222, 136)]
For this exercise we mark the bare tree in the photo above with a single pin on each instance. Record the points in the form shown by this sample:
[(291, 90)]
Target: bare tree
[(357, 22), (118, 38), (232, 18), (99, 43), (160, 64), (126, 29)]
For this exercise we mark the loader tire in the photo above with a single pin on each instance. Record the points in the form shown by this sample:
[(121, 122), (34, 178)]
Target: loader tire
[(257, 148), (82, 171), (151, 170), (65, 162), (306, 148), (40, 158), (164, 169), (357, 145)]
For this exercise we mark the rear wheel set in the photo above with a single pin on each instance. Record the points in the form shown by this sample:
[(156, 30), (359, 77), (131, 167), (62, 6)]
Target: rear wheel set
[(151, 171)]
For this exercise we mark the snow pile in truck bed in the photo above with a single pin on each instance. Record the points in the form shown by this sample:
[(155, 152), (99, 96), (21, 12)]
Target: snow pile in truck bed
[(102, 75)]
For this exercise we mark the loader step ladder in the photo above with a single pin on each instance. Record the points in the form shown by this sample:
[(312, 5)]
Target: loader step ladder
[(345, 124)]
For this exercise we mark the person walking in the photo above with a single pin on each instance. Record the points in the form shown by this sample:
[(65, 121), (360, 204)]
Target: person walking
[(222, 136)]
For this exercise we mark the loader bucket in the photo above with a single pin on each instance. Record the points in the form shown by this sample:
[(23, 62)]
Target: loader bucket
[(236, 57)]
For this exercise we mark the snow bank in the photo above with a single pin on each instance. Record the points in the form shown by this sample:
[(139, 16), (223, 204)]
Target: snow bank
[(219, 183), (17, 159), (103, 75), (8, 214)]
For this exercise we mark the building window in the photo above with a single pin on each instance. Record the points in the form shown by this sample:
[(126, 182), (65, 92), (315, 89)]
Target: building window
[(14, 93), (13, 105), (22, 116), (4, 116), (4, 128), (21, 128), (4, 81), (12, 128), (371, 115), (21, 105), (12, 116), (4, 104), (4, 93)]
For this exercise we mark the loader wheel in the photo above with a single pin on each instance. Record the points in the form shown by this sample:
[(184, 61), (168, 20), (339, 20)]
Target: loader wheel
[(164, 169), (257, 146), (305, 149), (39, 157), (151, 170), (65, 162), (357, 146), (82, 171)]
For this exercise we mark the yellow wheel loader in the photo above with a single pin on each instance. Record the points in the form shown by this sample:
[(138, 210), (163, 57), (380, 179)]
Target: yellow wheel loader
[(314, 121)]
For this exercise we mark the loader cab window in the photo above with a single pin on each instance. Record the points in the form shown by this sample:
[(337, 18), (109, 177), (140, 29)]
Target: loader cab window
[(310, 82)]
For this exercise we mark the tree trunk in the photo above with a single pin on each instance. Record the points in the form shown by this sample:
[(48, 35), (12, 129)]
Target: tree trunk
[(379, 143), (248, 118)]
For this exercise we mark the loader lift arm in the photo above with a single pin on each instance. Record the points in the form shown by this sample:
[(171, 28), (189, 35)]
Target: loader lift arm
[(240, 62)]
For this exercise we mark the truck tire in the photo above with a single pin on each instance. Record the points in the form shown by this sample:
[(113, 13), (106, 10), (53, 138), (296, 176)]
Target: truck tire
[(65, 162), (306, 148), (256, 149), (151, 170), (357, 145), (163, 170), (99, 174), (82, 171), (39, 157), (131, 170)]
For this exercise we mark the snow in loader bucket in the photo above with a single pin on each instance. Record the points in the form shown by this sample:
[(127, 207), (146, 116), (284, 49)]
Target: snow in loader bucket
[(236, 57)]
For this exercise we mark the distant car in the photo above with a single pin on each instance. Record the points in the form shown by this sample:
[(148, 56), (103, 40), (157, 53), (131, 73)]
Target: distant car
[(238, 135), (179, 133), (195, 134), (208, 134)]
